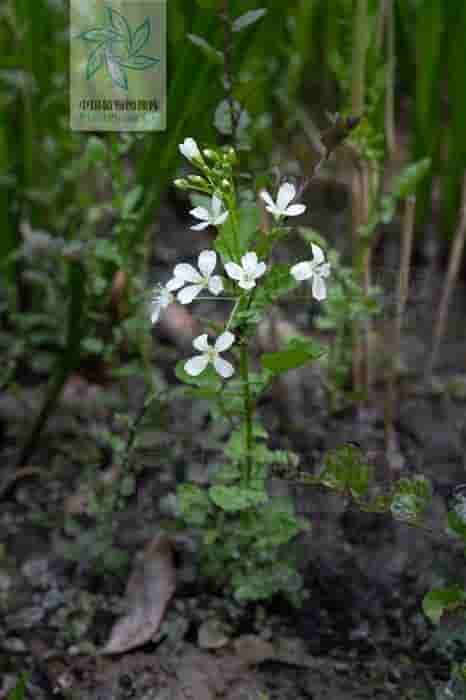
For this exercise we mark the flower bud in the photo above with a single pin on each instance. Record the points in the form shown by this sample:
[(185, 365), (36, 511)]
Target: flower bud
[(210, 154), (226, 184), (181, 184), (197, 180), (230, 155)]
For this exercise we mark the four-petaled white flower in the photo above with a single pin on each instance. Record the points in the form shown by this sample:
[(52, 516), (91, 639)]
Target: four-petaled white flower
[(211, 355), (185, 273), (315, 269), (214, 217), (190, 150), (282, 207), (161, 299), (246, 273)]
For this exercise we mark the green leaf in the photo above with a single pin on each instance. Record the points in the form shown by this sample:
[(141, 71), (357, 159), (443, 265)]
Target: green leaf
[(407, 181), (193, 504), (95, 61), (206, 48), (208, 379), (116, 71), (248, 18), (298, 352), (247, 224), (235, 498), (457, 524), (119, 24), (227, 473), (411, 498), (276, 283), (100, 35), (442, 600), (264, 582), (345, 469), (131, 200), (107, 250), (140, 62), (141, 36)]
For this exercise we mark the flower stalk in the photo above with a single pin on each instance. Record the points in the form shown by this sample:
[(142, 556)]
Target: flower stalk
[(248, 409)]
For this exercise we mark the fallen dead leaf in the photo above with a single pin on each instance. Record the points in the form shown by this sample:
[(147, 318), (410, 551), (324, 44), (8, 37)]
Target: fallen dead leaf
[(253, 650), (148, 592)]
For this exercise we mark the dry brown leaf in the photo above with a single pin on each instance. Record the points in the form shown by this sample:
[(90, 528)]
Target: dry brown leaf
[(253, 650), (148, 592)]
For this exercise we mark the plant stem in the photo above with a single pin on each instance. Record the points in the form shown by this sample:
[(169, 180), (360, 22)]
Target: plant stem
[(453, 268), (393, 342), (244, 361), (227, 53), (360, 43), (358, 89), (390, 133)]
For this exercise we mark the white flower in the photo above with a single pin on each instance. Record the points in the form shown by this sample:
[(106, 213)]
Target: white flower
[(315, 269), (211, 355), (246, 274), (286, 194), (214, 217), (190, 150), (161, 299), (185, 273)]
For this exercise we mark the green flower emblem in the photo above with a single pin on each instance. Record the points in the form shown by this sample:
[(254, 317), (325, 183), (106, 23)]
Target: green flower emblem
[(118, 48)]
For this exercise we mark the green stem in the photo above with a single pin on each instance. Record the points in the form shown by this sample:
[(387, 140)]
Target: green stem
[(247, 409), (360, 44)]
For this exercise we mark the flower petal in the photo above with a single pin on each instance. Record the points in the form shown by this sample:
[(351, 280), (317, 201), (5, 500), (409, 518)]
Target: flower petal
[(295, 210), (215, 285), (247, 284), (286, 194), (319, 290), (216, 206), (260, 269), (221, 219), (249, 262), (207, 261), (174, 284), (267, 198), (200, 227), (234, 271), (196, 365), (318, 254), (224, 341), (302, 271), (187, 273), (273, 209), (189, 293), (225, 369), (155, 312), (200, 213), (165, 298), (189, 149), (324, 270), (201, 343)]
